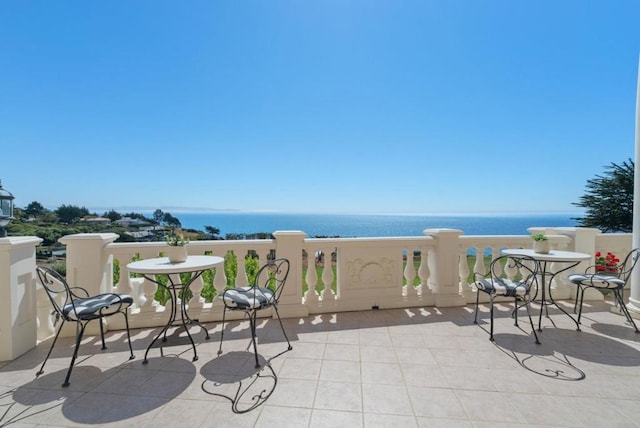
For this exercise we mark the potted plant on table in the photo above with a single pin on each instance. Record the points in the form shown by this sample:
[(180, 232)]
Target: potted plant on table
[(540, 243), (177, 251)]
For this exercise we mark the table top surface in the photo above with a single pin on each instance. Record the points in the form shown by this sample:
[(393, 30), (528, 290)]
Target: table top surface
[(162, 265), (553, 255)]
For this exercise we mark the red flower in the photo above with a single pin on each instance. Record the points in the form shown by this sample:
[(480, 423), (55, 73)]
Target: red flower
[(607, 264)]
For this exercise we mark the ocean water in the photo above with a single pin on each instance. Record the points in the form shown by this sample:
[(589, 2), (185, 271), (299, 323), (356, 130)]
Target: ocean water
[(373, 225)]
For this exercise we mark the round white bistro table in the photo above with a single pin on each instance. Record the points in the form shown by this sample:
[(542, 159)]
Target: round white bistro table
[(196, 265), (568, 258)]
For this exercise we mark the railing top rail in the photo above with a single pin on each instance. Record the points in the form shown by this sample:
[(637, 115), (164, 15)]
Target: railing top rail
[(370, 239), (558, 239)]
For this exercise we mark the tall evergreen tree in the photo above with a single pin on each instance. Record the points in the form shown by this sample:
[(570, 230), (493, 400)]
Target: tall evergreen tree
[(608, 201), (70, 213), (35, 209)]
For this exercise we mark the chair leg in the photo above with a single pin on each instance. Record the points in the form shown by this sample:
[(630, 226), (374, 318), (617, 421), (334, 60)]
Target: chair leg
[(50, 349), (515, 311), (275, 307), (575, 304), (252, 323), (533, 327), (224, 314), (79, 333), (475, 319), (582, 290), (126, 323), (104, 346), (619, 298), (491, 312)]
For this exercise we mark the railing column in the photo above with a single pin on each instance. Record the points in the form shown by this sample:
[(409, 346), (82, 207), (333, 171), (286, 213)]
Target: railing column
[(88, 266), (18, 313), (584, 241), (289, 245), (443, 263)]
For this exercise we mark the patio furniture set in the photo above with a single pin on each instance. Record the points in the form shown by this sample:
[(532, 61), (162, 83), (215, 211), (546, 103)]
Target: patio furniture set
[(73, 304), (518, 273)]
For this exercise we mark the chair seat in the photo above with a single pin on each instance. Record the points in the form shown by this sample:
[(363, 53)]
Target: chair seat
[(502, 286), (89, 307), (248, 297), (597, 280)]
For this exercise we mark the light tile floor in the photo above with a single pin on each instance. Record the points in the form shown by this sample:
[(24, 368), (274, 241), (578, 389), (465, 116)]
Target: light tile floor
[(386, 368)]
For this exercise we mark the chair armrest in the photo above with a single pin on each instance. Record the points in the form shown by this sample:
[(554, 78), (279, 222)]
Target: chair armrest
[(83, 292), (118, 301), (591, 270)]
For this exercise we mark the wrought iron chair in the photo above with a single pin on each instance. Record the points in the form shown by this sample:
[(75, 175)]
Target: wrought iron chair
[(262, 294), (613, 277), (509, 276), (74, 304)]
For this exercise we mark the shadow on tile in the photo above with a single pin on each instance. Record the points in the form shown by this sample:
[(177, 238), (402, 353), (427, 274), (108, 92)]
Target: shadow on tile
[(233, 376)]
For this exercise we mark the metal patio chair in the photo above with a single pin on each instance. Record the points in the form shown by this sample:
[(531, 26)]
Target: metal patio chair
[(614, 278), (262, 294), (73, 304), (509, 276)]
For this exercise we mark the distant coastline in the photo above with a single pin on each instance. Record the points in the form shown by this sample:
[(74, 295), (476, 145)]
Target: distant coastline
[(374, 225)]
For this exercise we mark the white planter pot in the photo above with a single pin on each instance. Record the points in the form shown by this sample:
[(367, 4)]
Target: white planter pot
[(177, 254), (541, 247)]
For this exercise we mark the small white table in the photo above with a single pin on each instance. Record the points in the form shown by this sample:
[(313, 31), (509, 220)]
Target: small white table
[(570, 258), (196, 265)]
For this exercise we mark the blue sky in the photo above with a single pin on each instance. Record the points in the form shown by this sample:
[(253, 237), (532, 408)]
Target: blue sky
[(315, 106)]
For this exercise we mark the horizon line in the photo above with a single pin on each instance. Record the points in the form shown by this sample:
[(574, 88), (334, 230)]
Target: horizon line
[(212, 211)]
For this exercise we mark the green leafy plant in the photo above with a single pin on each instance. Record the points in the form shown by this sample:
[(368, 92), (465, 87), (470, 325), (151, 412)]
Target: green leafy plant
[(176, 239), (539, 237)]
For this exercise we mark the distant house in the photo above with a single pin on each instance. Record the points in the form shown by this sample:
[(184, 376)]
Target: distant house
[(128, 221), (141, 235), (96, 220)]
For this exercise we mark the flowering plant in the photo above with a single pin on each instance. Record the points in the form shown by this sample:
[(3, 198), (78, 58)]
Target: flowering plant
[(176, 239), (608, 263)]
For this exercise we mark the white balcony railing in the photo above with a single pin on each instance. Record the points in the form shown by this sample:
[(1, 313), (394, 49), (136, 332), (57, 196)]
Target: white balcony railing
[(340, 274)]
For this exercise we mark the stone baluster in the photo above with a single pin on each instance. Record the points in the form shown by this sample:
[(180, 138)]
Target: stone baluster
[(124, 285), (424, 272), (146, 293), (196, 301), (220, 279), (410, 274), (465, 288), (263, 256), (510, 270), (312, 275), (498, 269), (479, 266), (327, 275), (241, 277)]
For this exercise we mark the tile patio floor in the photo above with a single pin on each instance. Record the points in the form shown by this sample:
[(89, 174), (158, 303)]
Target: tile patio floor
[(387, 368)]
